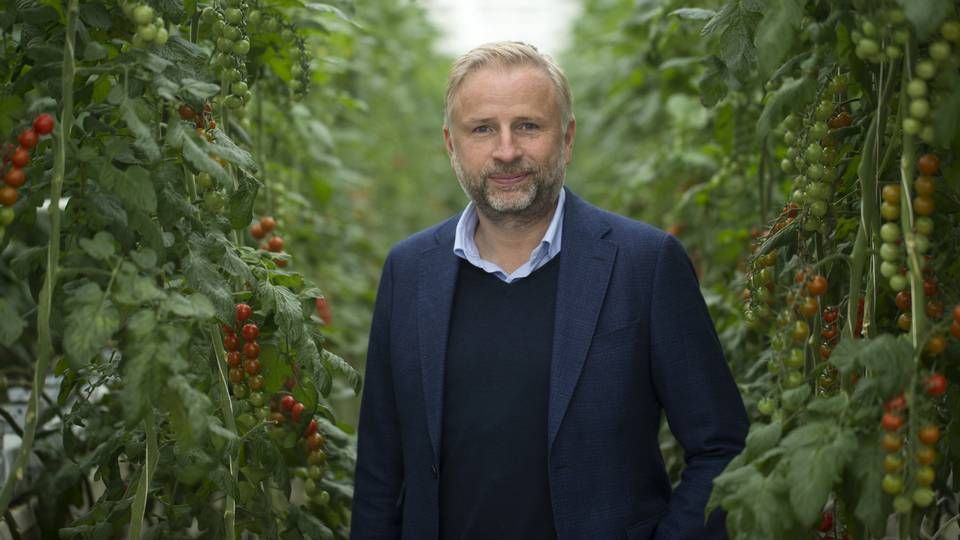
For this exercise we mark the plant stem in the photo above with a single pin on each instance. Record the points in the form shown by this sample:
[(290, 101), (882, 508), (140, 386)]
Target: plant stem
[(45, 343), (150, 458), (230, 506)]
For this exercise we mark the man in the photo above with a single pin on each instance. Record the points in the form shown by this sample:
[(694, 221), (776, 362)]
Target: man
[(521, 353)]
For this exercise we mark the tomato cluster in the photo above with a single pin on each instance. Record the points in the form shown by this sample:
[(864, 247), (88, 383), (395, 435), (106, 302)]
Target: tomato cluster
[(18, 158), (889, 27), (263, 230), (920, 474), (229, 30), (151, 30), (922, 100)]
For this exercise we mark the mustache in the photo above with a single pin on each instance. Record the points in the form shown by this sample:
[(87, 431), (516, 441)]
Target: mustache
[(503, 170)]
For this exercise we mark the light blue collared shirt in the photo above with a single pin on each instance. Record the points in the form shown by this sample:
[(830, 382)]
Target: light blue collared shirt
[(465, 247)]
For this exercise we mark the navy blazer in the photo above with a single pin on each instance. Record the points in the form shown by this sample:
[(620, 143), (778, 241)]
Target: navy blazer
[(632, 338)]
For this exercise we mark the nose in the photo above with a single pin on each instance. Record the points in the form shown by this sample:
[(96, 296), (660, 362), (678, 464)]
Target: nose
[(507, 149)]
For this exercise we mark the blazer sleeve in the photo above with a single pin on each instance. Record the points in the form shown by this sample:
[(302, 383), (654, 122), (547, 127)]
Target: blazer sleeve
[(699, 396), (379, 473)]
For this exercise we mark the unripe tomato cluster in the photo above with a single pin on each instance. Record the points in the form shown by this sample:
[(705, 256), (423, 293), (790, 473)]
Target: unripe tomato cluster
[(232, 43), (14, 161), (922, 99), (812, 156), (882, 36), (909, 481), (300, 71), (151, 30), (758, 296), (263, 230)]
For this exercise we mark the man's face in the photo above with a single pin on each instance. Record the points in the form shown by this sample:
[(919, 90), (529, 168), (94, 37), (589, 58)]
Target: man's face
[(506, 141)]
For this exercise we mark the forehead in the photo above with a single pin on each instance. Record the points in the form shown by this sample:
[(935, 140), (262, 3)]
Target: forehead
[(502, 89)]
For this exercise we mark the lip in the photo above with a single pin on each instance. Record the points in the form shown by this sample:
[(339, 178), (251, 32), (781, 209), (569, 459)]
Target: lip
[(507, 179)]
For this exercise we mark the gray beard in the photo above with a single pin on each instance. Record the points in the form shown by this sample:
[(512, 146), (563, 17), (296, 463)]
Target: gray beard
[(539, 195)]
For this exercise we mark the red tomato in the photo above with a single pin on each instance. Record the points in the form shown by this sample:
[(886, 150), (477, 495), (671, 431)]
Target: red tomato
[(43, 124), (324, 311), (936, 384), (250, 331), (817, 285), (27, 138), (20, 157), (275, 244), (243, 312), (15, 177), (928, 164)]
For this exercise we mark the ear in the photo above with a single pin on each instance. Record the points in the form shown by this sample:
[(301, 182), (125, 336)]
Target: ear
[(568, 138), (447, 141)]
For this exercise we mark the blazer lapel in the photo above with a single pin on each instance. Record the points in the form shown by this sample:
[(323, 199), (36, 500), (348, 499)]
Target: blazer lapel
[(435, 287), (586, 261)]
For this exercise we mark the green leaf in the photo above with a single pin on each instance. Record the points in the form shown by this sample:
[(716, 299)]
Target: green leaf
[(860, 484), (204, 277), (143, 136), (133, 289), (198, 90), (100, 247), (832, 406), (225, 148), (142, 323), (143, 374), (145, 258), (308, 525), (241, 202), (777, 33), (274, 368), (285, 306), (761, 438), (790, 94), (197, 156), (926, 15), (190, 410), (694, 14), (946, 113), (91, 321), (820, 453), (888, 359), (713, 82), (11, 323), (196, 306), (135, 188), (341, 366), (794, 398)]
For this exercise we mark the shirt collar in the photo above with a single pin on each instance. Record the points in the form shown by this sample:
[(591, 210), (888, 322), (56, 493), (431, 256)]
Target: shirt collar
[(465, 247)]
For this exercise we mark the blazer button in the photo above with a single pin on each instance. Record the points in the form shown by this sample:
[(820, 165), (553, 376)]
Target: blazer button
[(435, 470)]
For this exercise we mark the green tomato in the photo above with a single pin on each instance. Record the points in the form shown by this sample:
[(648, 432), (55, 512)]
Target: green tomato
[(868, 28), (233, 15), (926, 69), (867, 48), (892, 484), (923, 497), (919, 108), (224, 44), (893, 52), (940, 51), (824, 110), (239, 88), (315, 472), (142, 14), (890, 212), (924, 225), (818, 190), (902, 504), (796, 359), (814, 152), (793, 379), (896, 16), (790, 138), (889, 252), (773, 366), (321, 498), (818, 130), (901, 36), (241, 47), (921, 243), (310, 486), (231, 33), (926, 134), (162, 37), (911, 126), (240, 391), (214, 201), (204, 181), (917, 88), (818, 208), (263, 413), (254, 18), (889, 269), (6, 215), (950, 30), (898, 282), (256, 399), (890, 232)]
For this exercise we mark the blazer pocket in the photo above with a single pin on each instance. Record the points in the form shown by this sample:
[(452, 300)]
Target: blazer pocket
[(614, 339), (643, 530)]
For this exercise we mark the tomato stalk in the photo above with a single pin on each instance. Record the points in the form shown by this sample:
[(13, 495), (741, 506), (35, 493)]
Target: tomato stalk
[(230, 506), (150, 458), (45, 343)]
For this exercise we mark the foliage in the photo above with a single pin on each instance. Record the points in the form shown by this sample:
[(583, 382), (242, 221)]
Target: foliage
[(127, 252), (842, 115)]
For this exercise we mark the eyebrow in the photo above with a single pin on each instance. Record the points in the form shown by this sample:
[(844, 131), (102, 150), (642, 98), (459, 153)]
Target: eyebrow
[(490, 120)]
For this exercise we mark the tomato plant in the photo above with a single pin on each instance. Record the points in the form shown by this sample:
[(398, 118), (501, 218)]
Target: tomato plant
[(810, 149)]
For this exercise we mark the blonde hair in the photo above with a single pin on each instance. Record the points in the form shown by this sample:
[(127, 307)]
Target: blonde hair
[(509, 53)]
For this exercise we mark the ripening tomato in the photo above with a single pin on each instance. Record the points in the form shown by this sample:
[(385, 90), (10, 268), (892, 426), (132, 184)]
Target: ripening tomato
[(897, 403), (891, 422), (808, 307), (27, 138), (251, 366), (930, 287), (925, 475), (20, 157), (231, 342), (936, 345), (43, 124), (324, 311), (235, 375), (923, 205), (892, 463), (936, 384), (891, 194), (924, 185), (15, 177), (903, 300), (311, 428), (904, 322), (926, 455), (800, 331), (243, 312), (928, 164), (891, 442), (275, 244), (314, 441), (929, 435), (817, 286), (287, 402), (256, 231), (934, 309), (268, 224), (296, 411), (186, 112), (250, 331), (8, 195), (233, 359), (251, 349), (892, 484)]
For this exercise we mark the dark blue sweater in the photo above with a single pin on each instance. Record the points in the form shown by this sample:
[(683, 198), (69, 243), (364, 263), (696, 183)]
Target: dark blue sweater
[(493, 451)]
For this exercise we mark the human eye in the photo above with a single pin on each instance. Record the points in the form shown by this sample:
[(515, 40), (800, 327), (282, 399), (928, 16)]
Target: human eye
[(481, 130), (528, 126)]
